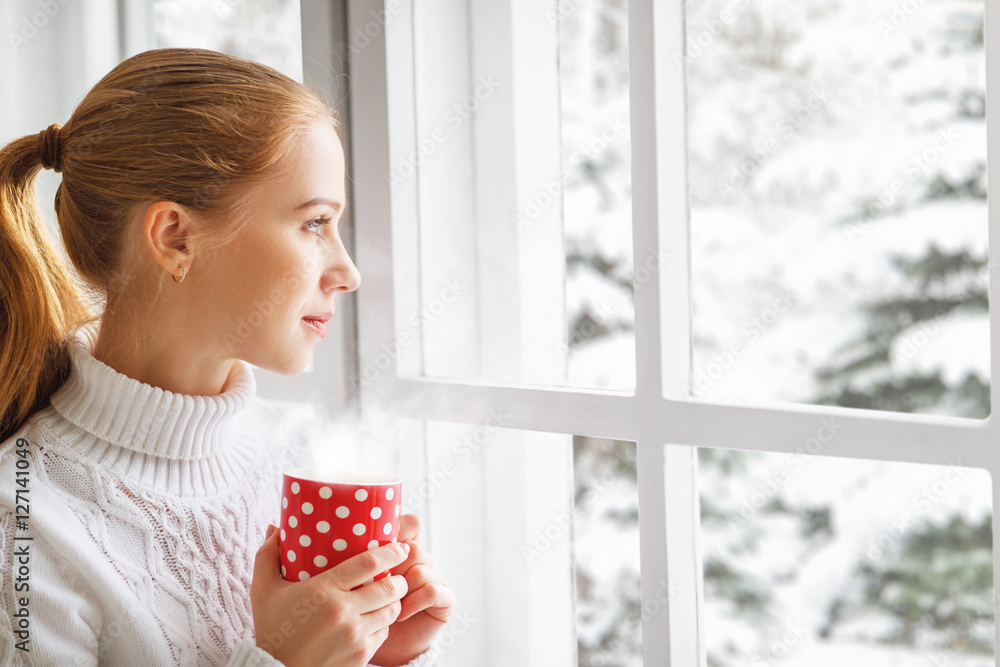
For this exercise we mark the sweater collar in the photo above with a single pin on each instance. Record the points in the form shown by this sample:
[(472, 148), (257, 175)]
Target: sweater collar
[(147, 419)]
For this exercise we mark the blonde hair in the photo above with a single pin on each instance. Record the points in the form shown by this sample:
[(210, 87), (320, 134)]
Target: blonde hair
[(186, 125)]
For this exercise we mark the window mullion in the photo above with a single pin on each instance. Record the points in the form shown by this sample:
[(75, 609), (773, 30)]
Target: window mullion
[(374, 128), (669, 512)]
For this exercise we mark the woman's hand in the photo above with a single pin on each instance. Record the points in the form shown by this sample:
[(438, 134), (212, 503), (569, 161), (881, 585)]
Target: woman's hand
[(425, 608), (321, 622)]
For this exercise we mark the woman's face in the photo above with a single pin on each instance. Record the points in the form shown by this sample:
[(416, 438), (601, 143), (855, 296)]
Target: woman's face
[(287, 263)]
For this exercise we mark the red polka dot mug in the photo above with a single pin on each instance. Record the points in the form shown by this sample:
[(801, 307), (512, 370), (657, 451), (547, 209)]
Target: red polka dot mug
[(329, 516)]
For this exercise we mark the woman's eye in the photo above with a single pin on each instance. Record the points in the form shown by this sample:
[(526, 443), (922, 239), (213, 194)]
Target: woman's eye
[(319, 222)]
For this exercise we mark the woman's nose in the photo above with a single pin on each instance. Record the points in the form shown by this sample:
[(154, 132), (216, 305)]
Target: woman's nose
[(342, 275)]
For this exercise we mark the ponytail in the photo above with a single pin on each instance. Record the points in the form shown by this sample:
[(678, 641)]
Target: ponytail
[(40, 301)]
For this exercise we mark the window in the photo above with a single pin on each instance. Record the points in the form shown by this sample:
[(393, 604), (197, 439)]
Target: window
[(460, 308)]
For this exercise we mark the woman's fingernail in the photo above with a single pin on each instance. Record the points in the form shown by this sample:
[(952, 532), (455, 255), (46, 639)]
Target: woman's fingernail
[(406, 548), (270, 529)]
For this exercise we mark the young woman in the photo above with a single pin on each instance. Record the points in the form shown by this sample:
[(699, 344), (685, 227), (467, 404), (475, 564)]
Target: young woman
[(139, 471)]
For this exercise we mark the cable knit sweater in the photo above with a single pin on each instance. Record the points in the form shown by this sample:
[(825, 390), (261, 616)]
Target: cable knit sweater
[(130, 517)]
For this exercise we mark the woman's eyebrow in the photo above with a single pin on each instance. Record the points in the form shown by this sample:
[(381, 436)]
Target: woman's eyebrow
[(335, 205)]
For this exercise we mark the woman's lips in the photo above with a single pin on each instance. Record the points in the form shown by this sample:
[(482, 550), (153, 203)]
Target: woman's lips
[(316, 325)]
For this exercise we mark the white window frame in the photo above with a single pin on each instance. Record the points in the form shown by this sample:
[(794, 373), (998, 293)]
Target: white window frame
[(665, 425)]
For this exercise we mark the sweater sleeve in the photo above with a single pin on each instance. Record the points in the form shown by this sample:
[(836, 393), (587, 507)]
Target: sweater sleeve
[(251, 655), (425, 659), (44, 606)]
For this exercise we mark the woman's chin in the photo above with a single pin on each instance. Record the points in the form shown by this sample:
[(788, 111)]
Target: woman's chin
[(294, 364)]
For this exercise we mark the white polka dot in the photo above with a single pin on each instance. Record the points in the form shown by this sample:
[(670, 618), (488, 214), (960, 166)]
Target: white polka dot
[(292, 521), (282, 534), (376, 512), (397, 510), (283, 573), (284, 503), (295, 487), (322, 527), (339, 545), (342, 512), (389, 493), (290, 556), (373, 544), (303, 575), (307, 508), (369, 581), (387, 529), (325, 492), (305, 540), (319, 561), (359, 529), (361, 495)]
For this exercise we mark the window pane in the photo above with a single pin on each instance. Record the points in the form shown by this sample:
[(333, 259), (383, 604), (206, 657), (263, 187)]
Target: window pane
[(267, 31), (518, 169), (606, 553), (812, 560), (538, 534), (838, 203), (597, 194)]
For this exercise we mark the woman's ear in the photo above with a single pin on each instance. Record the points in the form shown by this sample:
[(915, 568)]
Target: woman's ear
[(168, 232)]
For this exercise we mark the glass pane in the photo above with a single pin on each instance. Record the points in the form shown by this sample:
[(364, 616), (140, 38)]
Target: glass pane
[(597, 194), (518, 171), (606, 553), (838, 203), (538, 534), (820, 561), (267, 31)]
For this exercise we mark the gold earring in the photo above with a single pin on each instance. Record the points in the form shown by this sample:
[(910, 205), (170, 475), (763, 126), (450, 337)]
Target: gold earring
[(183, 274)]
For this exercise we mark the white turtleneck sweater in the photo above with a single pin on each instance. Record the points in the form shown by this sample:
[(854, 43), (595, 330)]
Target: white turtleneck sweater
[(145, 509)]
